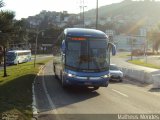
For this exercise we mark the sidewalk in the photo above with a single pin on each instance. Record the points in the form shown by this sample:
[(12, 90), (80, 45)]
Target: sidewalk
[(122, 62)]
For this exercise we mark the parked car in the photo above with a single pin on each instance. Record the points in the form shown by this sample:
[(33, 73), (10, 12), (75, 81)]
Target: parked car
[(115, 73)]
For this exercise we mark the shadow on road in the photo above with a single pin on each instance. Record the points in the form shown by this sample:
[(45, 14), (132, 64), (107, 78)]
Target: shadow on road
[(130, 81), (154, 90), (60, 96)]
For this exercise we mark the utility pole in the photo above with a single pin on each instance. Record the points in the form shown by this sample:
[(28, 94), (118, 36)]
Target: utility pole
[(80, 11), (131, 48), (97, 15), (146, 50), (130, 40), (83, 15), (83, 6), (80, 16)]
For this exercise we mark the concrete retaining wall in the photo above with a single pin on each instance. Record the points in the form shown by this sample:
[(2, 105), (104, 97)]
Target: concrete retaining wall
[(138, 75), (156, 81)]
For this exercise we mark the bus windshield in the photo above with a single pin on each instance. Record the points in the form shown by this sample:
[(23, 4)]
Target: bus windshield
[(87, 55), (11, 56)]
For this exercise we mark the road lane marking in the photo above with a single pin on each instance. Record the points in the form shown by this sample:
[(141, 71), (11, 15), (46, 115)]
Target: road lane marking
[(48, 96), (120, 93), (142, 89)]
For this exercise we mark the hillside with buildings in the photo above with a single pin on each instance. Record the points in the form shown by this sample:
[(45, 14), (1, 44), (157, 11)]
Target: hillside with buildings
[(146, 11), (128, 21), (124, 21), (118, 16), (133, 12)]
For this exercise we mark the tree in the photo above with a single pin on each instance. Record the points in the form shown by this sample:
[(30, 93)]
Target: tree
[(1, 3), (20, 33), (153, 37), (6, 28), (1, 49)]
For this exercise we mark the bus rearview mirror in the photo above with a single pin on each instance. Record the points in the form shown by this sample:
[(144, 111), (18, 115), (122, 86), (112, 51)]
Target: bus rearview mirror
[(113, 48), (63, 46)]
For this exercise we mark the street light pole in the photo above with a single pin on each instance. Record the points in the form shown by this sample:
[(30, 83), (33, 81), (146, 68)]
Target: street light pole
[(97, 15), (131, 49), (36, 42)]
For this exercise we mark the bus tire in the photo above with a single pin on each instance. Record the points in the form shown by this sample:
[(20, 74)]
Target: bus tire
[(120, 80), (62, 81), (96, 88), (54, 70)]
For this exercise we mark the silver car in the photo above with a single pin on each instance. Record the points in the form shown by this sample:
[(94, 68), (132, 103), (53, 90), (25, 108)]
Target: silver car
[(115, 73)]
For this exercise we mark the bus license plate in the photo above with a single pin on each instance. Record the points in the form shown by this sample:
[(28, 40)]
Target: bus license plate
[(88, 83)]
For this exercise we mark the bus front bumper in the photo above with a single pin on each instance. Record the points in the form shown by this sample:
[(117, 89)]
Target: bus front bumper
[(87, 81)]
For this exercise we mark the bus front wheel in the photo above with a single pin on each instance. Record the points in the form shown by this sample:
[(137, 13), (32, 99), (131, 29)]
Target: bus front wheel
[(54, 70), (95, 87), (62, 81)]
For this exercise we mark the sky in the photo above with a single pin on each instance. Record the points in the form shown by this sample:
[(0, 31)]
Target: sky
[(25, 8)]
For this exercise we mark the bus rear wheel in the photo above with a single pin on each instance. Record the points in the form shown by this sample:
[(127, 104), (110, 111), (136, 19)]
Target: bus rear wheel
[(54, 70)]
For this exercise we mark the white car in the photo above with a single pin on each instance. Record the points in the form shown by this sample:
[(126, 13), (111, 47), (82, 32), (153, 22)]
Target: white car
[(115, 73)]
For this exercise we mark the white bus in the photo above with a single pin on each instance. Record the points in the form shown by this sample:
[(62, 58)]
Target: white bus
[(18, 56)]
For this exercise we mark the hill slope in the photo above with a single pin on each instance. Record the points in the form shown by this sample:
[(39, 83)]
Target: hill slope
[(130, 9)]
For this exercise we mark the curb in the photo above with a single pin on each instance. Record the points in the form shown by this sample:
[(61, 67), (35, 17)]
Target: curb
[(34, 104)]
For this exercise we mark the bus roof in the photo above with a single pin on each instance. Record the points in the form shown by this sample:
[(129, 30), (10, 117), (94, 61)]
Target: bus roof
[(83, 32), (19, 51)]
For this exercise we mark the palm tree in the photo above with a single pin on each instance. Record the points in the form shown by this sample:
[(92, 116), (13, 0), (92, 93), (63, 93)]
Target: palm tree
[(6, 28), (20, 31)]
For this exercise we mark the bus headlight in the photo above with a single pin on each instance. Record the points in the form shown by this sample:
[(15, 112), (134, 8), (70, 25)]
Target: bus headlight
[(106, 76), (70, 75)]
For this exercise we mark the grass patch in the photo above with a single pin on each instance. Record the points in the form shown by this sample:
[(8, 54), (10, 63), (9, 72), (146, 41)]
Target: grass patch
[(123, 54), (141, 63), (16, 89)]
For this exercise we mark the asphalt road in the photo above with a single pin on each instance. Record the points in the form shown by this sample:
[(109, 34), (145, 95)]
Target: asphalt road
[(129, 97)]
